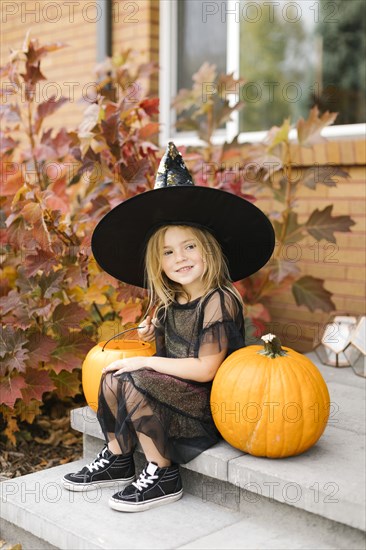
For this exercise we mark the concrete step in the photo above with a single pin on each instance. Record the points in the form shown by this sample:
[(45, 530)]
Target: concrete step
[(38, 513), (327, 480)]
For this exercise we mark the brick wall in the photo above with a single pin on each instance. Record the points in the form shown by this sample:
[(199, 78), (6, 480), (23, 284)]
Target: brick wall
[(70, 71), (136, 26), (342, 265)]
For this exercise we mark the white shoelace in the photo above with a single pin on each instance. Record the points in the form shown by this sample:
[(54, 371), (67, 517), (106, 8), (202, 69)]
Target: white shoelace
[(99, 462), (144, 480)]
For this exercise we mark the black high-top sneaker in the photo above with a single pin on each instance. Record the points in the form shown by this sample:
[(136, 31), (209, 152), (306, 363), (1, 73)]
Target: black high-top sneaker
[(105, 471), (154, 487)]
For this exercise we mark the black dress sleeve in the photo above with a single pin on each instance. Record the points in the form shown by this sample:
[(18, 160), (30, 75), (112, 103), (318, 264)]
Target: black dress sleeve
[(159, 333), (222, 325)]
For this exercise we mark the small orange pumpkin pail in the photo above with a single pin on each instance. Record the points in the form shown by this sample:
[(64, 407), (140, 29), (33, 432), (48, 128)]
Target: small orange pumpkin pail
[(102, 355)]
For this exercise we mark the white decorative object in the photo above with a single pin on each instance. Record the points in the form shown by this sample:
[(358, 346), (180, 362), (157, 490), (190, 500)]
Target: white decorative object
[(336, 337), (356, 349)]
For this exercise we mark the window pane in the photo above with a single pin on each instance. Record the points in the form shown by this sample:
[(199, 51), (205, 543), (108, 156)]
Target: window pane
[(294, 55), (198, 41)]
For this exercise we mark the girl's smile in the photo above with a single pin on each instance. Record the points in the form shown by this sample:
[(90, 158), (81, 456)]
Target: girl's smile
[(182, 261)]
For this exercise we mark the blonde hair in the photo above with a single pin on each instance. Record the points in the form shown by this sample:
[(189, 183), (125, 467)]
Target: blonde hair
[(163, 291)]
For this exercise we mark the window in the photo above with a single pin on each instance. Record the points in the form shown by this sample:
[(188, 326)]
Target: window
[(292, 55)]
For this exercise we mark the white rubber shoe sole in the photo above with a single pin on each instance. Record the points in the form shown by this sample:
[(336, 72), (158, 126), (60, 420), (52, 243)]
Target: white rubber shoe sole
[(70, 486), (121, 506)]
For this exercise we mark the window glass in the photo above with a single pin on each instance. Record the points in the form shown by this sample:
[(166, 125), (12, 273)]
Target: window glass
[(200, 39), (297, 54)]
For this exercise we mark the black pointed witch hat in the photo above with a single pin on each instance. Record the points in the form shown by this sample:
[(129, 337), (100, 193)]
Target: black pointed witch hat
[(119, 240)]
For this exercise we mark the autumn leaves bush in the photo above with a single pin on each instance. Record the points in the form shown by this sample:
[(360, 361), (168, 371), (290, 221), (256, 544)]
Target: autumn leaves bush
[(56, 302), (56, 185)]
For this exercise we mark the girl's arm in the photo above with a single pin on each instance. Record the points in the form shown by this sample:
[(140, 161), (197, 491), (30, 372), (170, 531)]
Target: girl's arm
[(190, 368), (200, 370)]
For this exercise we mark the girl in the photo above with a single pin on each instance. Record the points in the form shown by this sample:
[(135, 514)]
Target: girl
[(164, 401)]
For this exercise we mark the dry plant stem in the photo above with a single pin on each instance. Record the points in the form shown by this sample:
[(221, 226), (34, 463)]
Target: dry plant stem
[(98, 311), (209, 142), (33, 145), (285, 214)]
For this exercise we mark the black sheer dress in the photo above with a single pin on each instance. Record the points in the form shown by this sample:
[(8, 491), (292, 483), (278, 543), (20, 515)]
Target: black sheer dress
[(175, 413)]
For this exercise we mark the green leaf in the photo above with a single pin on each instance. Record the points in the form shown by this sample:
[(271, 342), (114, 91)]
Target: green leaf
[(278, 135), (67, 383), (310, 292), (323, 175), (321, 224)]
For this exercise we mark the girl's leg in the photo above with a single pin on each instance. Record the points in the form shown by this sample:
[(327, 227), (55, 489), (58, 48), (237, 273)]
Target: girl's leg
[(109, 395), (151, 452), (137, 410)]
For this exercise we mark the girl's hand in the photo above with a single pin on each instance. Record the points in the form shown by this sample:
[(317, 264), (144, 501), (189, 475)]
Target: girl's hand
[(147, 333), (126, 365)]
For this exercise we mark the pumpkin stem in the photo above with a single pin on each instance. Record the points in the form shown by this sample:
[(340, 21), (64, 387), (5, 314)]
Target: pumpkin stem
[(272, 346)]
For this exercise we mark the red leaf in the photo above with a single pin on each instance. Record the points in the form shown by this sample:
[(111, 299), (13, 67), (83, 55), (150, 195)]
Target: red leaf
[(32, 213), (34, 52), (38, 382), (11, 178), (10, 390), (10, 302), (42, 260), (31, 77), (6, 143), (47, 108), (12, 352), (40, 348), (70, 352), (66, 317), (127, 292), (110, 128), (16, 361), (56, 197), (76, 275), (14, 312), (60, 145), (150, 106)]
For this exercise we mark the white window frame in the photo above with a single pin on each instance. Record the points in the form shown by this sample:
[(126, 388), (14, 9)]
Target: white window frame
[(168, 86)]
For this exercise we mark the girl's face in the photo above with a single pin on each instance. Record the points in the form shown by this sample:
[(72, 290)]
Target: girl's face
[(182, 261)]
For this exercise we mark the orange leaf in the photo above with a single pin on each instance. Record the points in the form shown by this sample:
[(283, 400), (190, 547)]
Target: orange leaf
[(308, 131), (130, 312)]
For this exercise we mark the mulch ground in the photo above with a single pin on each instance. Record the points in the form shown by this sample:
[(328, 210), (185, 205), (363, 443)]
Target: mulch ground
[(47, 443)]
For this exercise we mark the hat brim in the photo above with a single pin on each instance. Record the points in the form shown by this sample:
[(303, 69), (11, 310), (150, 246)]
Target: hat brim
[(244, 232)]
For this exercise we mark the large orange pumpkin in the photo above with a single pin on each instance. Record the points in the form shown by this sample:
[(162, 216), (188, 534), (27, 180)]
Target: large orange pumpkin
[(270, 401), (102, 355)]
